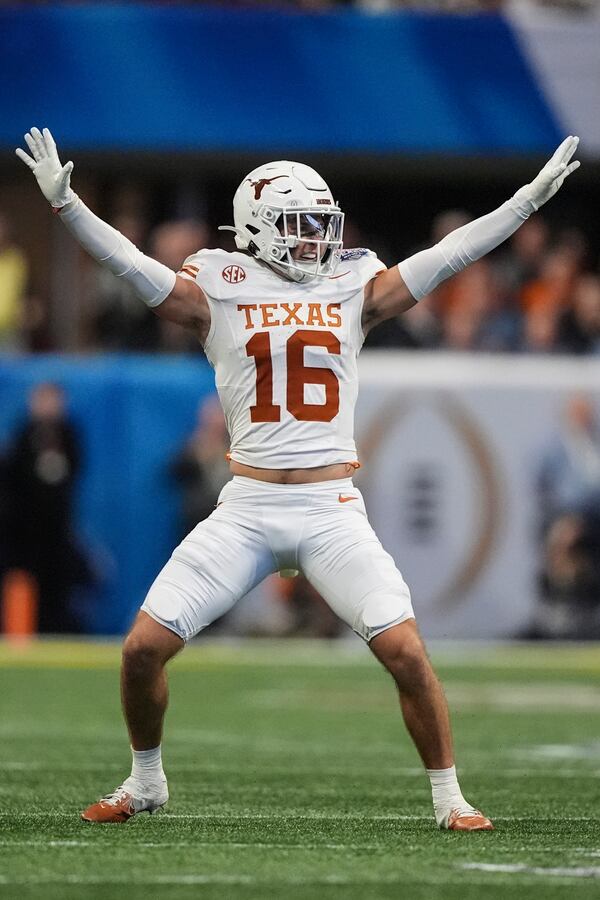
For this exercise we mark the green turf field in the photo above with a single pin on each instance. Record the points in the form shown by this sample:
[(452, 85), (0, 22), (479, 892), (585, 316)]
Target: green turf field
[(291, 776)]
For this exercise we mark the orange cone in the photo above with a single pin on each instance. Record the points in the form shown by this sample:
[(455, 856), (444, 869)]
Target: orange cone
[(19, 605)]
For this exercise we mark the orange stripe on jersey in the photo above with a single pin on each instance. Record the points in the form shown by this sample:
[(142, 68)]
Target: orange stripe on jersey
[(189, 270)]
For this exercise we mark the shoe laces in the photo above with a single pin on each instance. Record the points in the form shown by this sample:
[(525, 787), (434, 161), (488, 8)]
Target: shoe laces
[(465, 810), (116, 797)]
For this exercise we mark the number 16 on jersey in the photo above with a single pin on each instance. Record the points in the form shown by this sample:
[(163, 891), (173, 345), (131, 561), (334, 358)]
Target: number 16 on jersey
[(297, 375)]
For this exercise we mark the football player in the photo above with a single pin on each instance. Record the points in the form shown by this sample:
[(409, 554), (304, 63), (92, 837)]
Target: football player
[(282, 321)]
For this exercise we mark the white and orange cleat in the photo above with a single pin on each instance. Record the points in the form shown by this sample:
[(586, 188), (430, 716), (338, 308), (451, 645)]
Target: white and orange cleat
[(126, 801), (465, 818)]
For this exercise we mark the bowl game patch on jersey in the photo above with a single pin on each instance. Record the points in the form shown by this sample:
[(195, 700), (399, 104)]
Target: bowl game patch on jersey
[(356, 253)]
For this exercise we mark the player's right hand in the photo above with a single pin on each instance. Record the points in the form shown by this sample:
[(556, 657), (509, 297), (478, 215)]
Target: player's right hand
[(52, 177)]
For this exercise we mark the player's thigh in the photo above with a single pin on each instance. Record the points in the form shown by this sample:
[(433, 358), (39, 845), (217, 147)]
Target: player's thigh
[(222, 559), (345, 562)]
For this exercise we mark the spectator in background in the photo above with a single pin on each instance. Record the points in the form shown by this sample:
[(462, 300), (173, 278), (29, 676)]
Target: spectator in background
[(13, 283), (546, 298), (4, 513), (473, 317), (579, 326), (171, 243), (201, 467), (568, 488), (442, 299), (408, 332), (469, 306), (568, 478), (120, 321), (411, 331), (520, 262), (417, 329), (540, 330), (420, 327), (568, 583), (41, 470)]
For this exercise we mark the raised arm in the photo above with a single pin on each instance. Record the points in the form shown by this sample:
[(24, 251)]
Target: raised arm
[(169, 296), (397, 289)]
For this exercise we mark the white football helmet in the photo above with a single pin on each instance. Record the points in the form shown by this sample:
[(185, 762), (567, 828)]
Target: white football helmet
[(281, 205)]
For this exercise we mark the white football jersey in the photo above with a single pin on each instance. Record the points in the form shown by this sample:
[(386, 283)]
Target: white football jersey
[(285, 356)]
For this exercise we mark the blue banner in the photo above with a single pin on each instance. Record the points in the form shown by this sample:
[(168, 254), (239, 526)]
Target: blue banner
[(172, 78), (132, 415)]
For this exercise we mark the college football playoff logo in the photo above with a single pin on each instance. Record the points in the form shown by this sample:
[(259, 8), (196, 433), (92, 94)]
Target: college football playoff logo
[(233, 274)]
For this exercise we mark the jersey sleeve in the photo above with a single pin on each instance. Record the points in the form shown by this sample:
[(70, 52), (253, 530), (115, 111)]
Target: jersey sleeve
[(220, 274), (201, 268), (357, 268), (190, 267)]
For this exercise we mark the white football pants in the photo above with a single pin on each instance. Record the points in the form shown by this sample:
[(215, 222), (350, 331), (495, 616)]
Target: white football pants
[(259, 528)]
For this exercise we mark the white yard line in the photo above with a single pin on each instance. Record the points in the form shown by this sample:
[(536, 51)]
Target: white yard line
[(166, 845), (309, 817), (391, 817), (250, 845), (232, 879), (230, 768), (590, 750), (539, 757), (524, 698), (131, 880), (279, 883), (522, 869), (501, 695)]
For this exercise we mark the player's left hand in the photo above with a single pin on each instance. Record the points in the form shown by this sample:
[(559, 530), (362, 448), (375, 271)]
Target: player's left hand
[(52, 177), (550, 179)]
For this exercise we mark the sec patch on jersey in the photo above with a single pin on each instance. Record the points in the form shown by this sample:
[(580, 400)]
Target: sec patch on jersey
[(233, 274)]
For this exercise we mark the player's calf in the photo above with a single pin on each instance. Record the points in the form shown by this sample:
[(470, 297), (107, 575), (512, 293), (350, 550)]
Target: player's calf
[(425, 712)]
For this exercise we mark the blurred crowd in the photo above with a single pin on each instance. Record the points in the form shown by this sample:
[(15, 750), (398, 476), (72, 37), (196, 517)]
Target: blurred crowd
[(538, 293)]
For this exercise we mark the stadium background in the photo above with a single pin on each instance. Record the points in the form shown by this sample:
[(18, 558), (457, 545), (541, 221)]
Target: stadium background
[(409, 112)]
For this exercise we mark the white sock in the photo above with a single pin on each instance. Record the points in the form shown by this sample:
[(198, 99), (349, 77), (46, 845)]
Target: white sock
[(445, 791), (147, 765)]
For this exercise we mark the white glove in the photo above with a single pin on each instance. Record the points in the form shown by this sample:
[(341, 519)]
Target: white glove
[(52, 177), (550, 179)]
